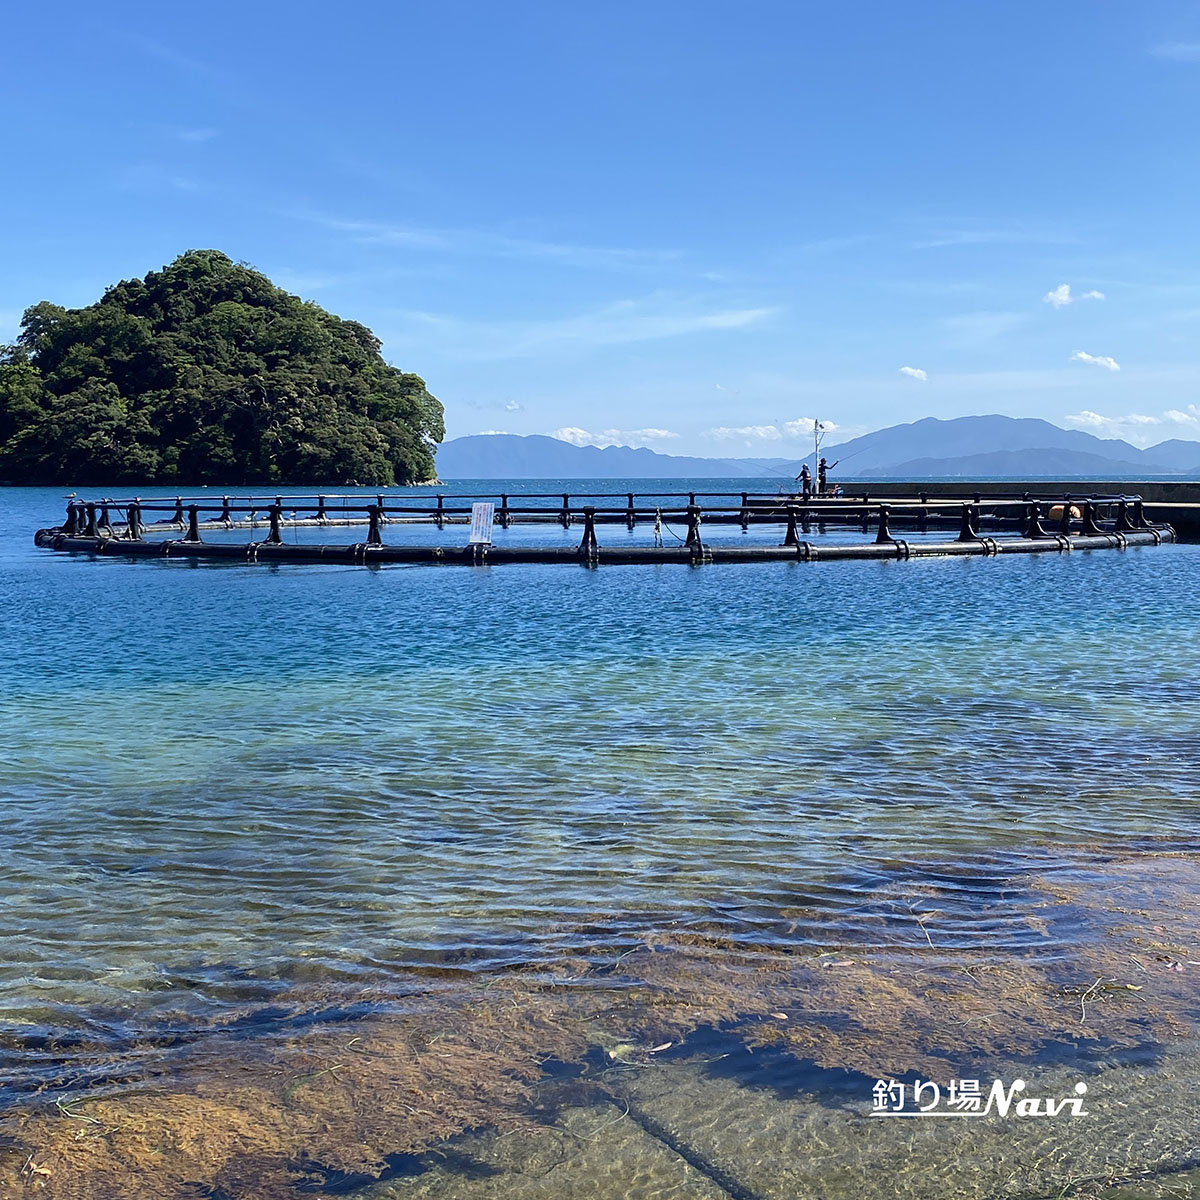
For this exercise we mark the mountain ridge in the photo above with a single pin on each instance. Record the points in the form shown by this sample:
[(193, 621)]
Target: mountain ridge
[(981, 445)]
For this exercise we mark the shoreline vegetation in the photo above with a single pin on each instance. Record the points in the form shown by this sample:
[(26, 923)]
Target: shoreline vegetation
[(205, 372)]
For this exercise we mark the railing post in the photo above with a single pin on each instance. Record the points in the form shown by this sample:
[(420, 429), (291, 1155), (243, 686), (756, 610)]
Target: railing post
[(589, 548), (1090, 526), (440, 516), (792, 537), (1064, 522), (968, 531), (1033, 526), (503, 513), (374, 533), (693, 534), (193, 529), (177, 519), (91, 530), (744, 515), (275, 535), (71, 526), (884, 534), (226, 511), (1139, 515), (565, 515), (630, 513), (133, 522), (321, 516), (1124, 524)]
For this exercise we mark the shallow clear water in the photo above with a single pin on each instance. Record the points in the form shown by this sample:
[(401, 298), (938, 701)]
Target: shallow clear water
[(220, 780), (261, 771)]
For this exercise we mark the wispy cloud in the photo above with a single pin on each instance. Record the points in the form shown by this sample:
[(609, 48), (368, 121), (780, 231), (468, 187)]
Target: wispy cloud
[(915, 373), (977, 329), (485, 243), (1179, 51), (646, 319), (147, 177), (1096, 360), (979, 232), (172, 57), (1061, 296), (635, 438)]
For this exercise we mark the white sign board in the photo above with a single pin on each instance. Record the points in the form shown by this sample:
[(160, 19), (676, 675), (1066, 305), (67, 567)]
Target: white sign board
[(481, 524)]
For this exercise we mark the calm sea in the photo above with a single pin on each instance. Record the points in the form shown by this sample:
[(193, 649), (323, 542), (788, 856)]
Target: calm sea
[(219, 781)]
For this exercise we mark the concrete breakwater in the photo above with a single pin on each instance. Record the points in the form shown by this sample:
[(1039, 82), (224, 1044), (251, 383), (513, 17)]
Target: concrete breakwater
[(979, 523)]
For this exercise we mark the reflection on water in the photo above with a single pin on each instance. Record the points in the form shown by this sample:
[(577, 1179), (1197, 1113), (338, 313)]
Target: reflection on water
[(227, 787)]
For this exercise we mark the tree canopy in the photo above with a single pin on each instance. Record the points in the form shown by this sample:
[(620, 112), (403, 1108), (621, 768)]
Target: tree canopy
[(205, 372)]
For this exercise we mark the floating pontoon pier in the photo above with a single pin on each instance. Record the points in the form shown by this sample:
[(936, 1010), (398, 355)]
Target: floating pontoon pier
[(777, 528)]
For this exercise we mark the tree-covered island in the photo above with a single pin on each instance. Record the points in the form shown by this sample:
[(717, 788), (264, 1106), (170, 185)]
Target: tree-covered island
[(205, 372)]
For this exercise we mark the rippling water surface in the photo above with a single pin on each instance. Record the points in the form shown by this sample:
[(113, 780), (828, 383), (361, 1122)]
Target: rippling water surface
[(219, 779)]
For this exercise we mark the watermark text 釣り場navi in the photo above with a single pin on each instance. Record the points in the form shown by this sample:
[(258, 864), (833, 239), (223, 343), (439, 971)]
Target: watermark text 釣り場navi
[(967, 1098)]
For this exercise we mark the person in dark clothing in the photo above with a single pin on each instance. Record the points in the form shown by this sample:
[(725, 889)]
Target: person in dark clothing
[(804, 479), (823, 470)]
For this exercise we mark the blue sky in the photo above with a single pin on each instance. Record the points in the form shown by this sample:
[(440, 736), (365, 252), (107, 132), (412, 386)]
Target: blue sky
[(688, 225)]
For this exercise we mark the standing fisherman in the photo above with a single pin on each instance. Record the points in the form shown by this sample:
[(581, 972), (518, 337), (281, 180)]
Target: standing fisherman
[(804, 479), (823, 470)]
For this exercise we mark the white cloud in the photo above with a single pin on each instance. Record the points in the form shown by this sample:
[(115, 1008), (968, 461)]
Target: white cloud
[(803, 427), (492, 433), (1061, 296), (1096, 360), (748, 433), (1142, 429), (512, 406), (635, 438), (1086, 419), (800, 428), (1190, 418), (915, 373)]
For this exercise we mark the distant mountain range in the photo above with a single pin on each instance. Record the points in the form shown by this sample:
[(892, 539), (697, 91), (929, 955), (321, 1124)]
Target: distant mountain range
[(966, 446)]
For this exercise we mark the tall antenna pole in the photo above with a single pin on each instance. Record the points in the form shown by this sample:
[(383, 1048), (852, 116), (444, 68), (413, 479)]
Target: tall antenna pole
[(817, 434)]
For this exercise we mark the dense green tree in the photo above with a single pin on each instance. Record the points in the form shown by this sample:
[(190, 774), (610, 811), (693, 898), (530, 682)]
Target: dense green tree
[(205, 372)]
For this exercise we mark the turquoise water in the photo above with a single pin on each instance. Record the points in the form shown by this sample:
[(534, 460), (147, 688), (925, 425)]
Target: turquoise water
[(216, 772), (220, 781)]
